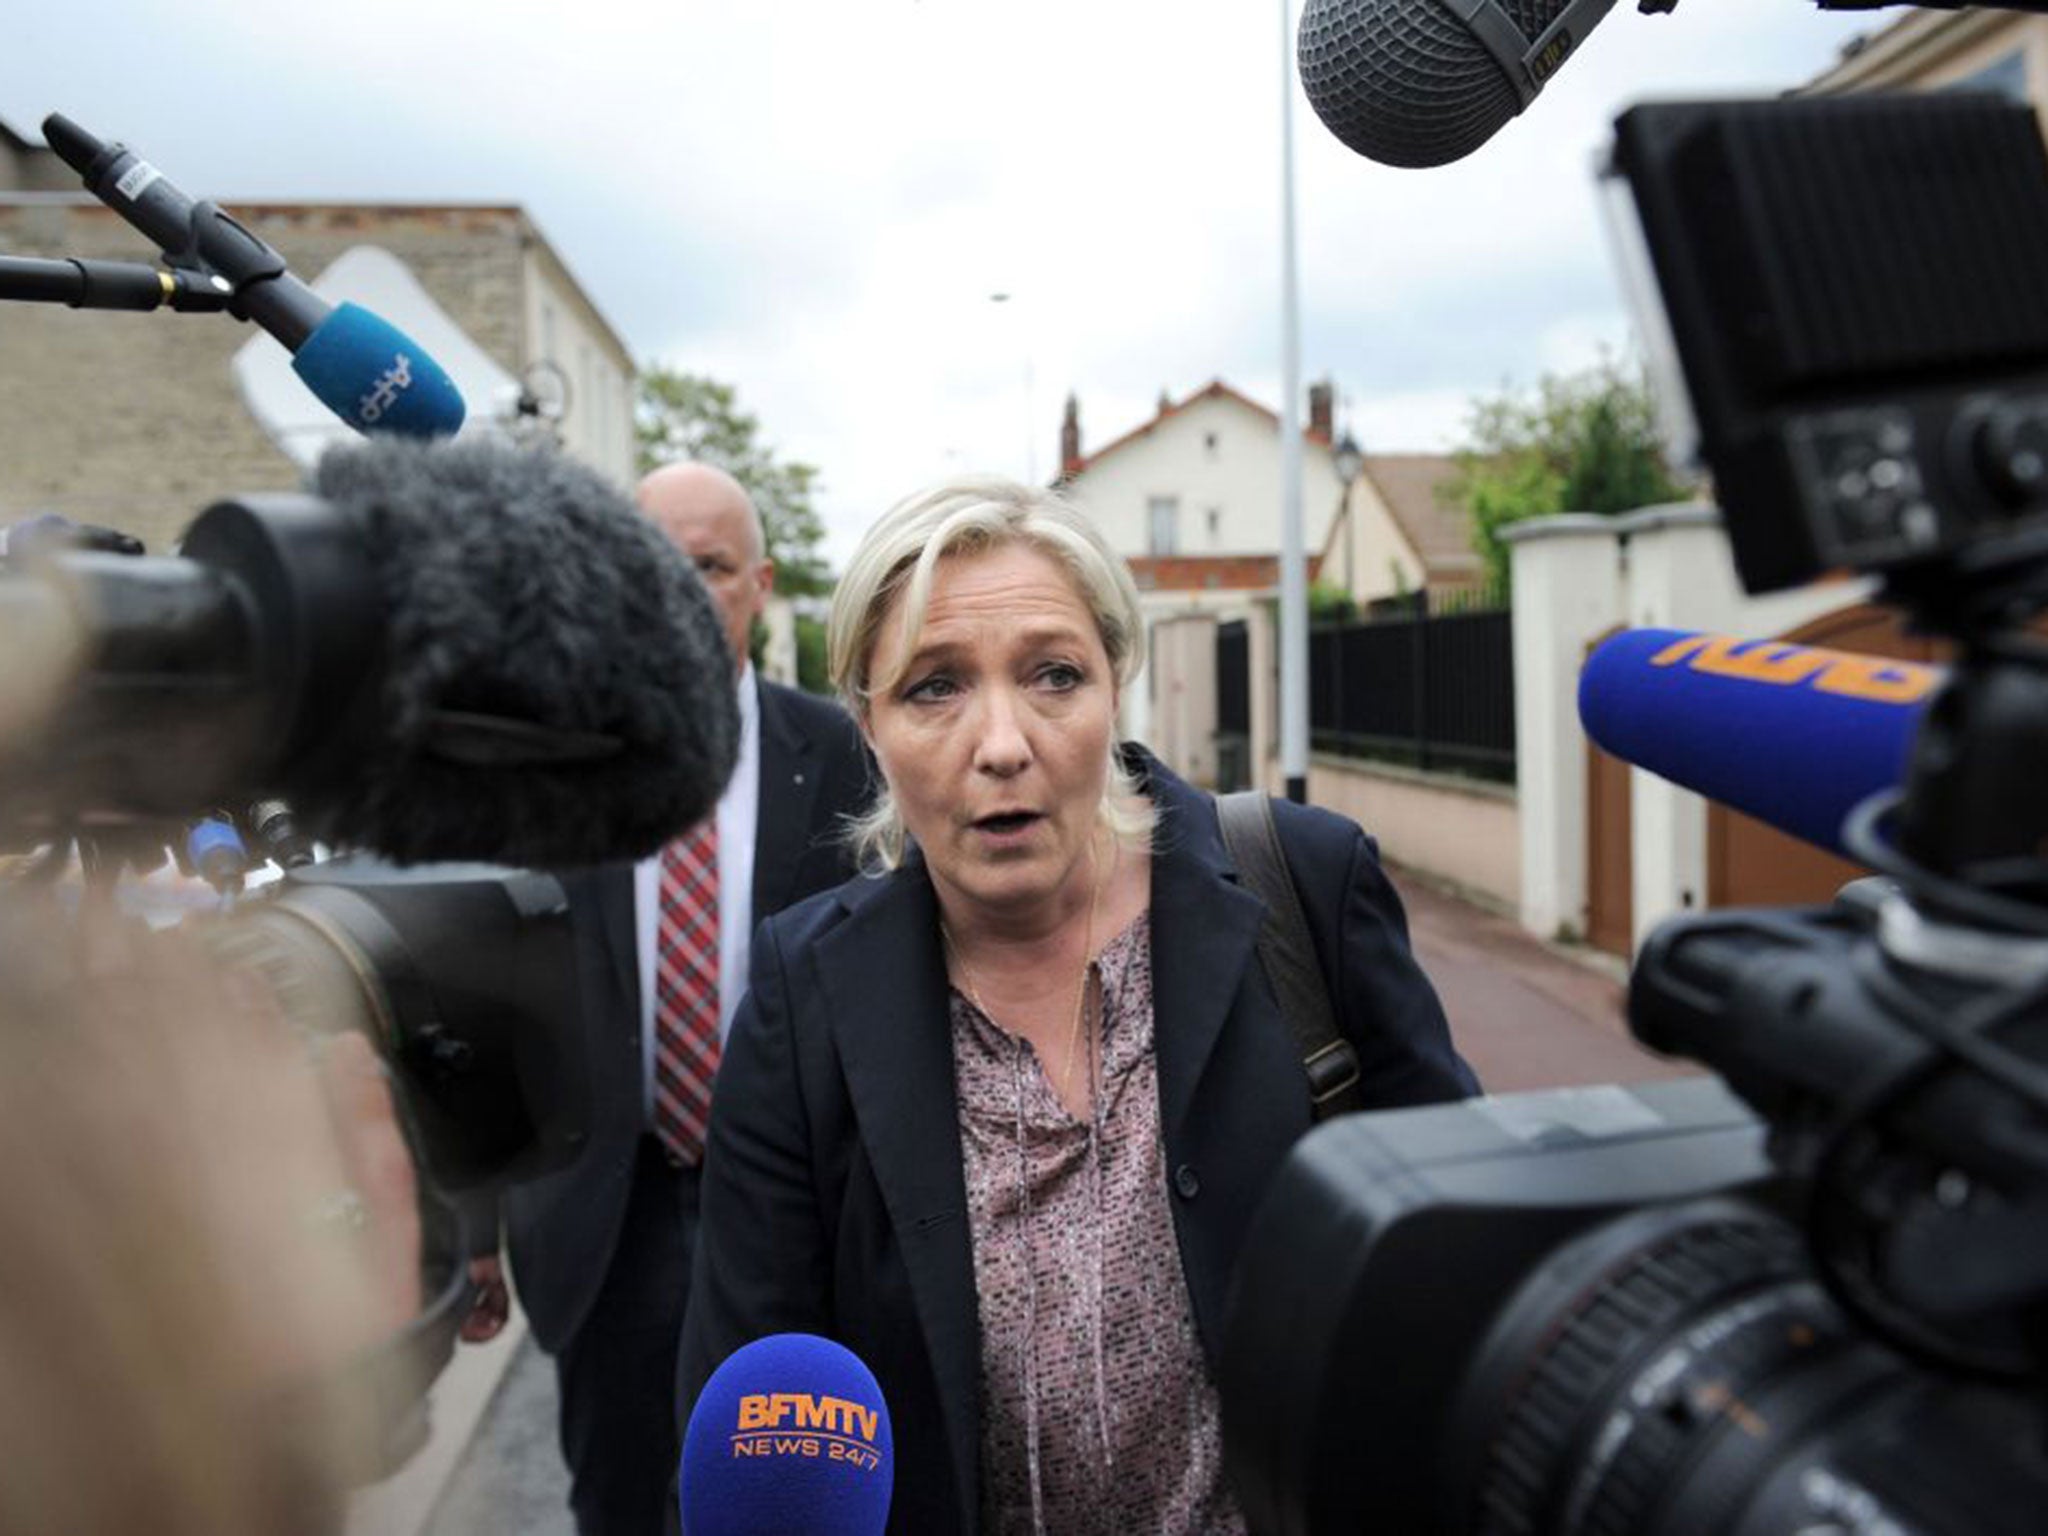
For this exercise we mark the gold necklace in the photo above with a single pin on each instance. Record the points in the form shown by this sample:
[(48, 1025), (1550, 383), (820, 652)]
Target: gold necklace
[(1080, 993)]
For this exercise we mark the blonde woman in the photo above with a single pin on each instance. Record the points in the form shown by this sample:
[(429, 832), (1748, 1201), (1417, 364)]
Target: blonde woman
[(996, 1117)]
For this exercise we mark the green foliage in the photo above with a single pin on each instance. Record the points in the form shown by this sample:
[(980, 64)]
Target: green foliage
[(811, 671), (1583, 442), (687, 416), (1498, 494), (1329, 603)]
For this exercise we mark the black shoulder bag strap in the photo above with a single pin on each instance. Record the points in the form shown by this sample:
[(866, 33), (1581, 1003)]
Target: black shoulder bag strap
[(1289, 955)]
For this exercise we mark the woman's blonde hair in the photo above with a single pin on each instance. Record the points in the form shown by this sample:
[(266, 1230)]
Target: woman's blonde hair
[(899, 557)]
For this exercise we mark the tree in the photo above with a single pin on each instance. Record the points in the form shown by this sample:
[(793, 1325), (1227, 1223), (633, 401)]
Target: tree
[(1329, 603), (1583, 442), (687, 416)]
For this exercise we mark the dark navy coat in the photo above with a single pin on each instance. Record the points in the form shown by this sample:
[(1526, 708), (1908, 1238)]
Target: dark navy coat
[(834, 1200)]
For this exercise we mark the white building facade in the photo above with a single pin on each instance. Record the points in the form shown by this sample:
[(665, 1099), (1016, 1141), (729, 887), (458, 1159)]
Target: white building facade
[(1191, 499)]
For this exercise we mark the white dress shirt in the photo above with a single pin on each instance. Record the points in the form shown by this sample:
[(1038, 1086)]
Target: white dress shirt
[(738, 815)]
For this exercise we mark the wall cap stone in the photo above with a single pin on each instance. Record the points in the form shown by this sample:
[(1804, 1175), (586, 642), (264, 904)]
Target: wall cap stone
[(1455, 783), (1580, 525), (1677, 514), (1565, 525)]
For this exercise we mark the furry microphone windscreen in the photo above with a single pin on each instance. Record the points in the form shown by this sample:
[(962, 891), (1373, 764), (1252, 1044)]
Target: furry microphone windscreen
[(521, 587)]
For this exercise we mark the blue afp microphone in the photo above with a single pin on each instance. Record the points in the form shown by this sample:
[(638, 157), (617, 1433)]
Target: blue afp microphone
[(362, 368), (1794, 735), (790, 1437)]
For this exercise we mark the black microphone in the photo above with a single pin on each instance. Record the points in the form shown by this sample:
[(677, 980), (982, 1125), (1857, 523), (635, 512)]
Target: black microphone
[(363, 368), (129, 285), (457, 651), (1416, 83)]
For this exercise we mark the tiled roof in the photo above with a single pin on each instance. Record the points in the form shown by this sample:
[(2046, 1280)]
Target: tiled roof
[(1412, 486), (1215, 389)]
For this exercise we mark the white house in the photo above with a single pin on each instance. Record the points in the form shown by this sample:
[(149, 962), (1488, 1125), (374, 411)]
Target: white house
[(1201, 479), (1191, 498)]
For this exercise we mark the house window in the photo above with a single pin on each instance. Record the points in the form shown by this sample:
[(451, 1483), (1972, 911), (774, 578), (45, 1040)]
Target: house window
[(1209, 442), (1215, 516), (1163, 520), (2006, 76)]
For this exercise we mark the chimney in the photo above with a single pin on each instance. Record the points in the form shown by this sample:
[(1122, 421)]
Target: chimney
[(1322, 399), (1070, 439)]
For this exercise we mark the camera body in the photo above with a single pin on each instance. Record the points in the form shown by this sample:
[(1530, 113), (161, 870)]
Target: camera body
[(1388, 1245), (1808, 1295), (222, 703), (1855, 291), (464, 976), (1597, 1310)]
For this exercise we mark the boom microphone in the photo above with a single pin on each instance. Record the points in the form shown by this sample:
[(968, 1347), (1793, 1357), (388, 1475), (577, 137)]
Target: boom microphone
[(1793, 735), (1417, 83), (790, 1437), (362, 368), (463, 652)]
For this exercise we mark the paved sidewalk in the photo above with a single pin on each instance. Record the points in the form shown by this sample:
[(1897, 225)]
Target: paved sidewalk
[(1522, 1013), (512, 1482), (492, 1466)]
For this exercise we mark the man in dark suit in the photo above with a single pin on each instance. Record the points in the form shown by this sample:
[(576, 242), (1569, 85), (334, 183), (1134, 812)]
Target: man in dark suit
[(601, 1252)]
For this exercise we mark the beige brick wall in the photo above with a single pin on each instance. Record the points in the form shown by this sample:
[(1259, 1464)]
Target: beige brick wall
[(133, 420)]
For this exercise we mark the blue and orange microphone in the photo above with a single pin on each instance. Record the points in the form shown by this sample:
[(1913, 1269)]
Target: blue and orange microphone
[(361, 367), (790, 1437), (1794, 735)]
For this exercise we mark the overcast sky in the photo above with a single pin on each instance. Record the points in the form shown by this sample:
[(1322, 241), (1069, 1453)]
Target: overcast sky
[(813, 200)]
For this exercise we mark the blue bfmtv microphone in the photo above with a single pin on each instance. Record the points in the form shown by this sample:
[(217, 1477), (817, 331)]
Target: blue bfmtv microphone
[(362, 368), (1793, 735), (790, 1437)]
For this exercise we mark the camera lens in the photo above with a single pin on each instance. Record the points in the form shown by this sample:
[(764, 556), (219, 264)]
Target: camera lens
[(1637, 1351), (1682, 1371), (2010, 444)]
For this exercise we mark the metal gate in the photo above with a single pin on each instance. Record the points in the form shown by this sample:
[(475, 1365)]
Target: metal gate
[(1233, 706)]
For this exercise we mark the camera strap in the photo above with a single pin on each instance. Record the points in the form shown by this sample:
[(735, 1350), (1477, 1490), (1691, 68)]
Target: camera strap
[(1288, 954)]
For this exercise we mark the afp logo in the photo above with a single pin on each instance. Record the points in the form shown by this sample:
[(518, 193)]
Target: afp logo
[(391, 383), (789, 1434)]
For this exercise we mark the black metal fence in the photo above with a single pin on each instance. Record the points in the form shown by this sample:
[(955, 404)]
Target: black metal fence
[(1430, 690)]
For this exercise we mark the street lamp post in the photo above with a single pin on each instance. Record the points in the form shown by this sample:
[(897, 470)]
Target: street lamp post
[(1349, 462), (1293, 554)]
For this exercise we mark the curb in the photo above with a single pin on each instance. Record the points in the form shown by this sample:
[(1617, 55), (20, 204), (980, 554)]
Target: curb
[(402, 1504)]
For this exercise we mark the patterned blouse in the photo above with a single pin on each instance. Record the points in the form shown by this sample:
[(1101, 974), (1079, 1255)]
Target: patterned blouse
[(1097, 1412)]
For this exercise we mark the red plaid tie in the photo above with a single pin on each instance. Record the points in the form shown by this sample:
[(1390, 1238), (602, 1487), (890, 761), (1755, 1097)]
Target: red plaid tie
[(686, 991)]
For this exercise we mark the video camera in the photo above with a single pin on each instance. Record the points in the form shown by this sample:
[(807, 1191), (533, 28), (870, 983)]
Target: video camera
[(1809, 1296), (182, 696), (446, 652)]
